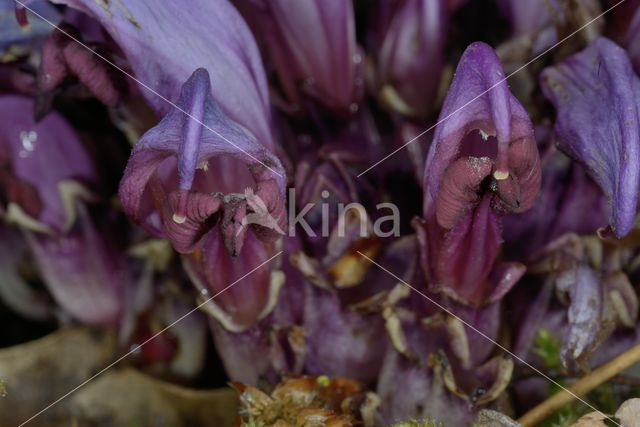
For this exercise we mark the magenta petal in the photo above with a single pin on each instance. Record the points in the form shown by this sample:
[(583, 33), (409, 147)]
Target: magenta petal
[(411, 53), (92, 72), (37, 157), (460, 189), (212, 269), (467, 255), (313, 47), (479, 100), (176, 163), (595, 93), (213, 36), (85, 276), (341, 341), (198, 208)]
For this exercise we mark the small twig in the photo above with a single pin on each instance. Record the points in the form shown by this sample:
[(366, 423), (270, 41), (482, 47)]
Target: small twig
[(581, 387)]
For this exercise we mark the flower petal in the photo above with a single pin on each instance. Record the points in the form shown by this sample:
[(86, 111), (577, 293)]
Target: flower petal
[(411, 54), (176, 163), (212, 269), (85, 276), (213, 36), (596, 93), (313, 47), (37, 158), (479, 101)]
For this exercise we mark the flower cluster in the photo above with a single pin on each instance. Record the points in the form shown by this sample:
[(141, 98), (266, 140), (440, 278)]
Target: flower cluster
[(392, 193)]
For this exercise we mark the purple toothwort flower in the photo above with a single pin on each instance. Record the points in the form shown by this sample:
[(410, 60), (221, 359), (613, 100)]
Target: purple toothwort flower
[(596, 94), (182, 178), (44, 178), (43, 168), (567, 191), (63, 57), (211, 191), (411, 54), (526, 17), (593, 296), (86, 274), (437, 362), (483, 163), (632, 40), (312, 46), (216, 39)]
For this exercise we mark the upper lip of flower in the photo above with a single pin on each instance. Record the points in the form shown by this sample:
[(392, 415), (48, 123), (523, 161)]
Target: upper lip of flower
[(177, 162)]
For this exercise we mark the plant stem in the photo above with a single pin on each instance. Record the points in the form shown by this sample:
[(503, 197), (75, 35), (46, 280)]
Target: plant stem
[(581, 387)]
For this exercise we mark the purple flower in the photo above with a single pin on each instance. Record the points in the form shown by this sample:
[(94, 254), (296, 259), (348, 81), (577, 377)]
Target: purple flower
[(593, 296), (483, 163), (43, 168), (568, 192), (596, 93), (212, 269), (632, 40), (444, 368), (216, 38), (527, 17), (410, 54), (63, 57), (182, 179), (44, 177), (85, 274), (312, 46)]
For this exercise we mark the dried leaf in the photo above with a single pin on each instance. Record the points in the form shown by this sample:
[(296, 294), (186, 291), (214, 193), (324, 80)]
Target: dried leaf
[(592, 419), (39, 372), (126, 397)]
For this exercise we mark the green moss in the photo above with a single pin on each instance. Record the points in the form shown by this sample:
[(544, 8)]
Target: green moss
[(548, 347), (252, 423)]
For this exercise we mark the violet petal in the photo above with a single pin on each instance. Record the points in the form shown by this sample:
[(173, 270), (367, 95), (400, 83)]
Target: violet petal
[(44, 164), (595, 93), (85, 276), (216, 38), (190, 172), (313, 47)]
